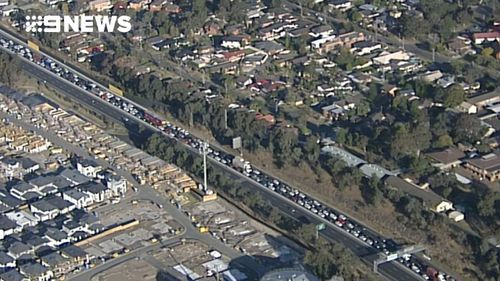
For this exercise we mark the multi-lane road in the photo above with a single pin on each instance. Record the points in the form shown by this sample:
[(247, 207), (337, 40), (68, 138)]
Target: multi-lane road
[(393, 270)]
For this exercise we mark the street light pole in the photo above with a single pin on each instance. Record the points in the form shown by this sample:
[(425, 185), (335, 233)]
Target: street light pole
[(205, 147)]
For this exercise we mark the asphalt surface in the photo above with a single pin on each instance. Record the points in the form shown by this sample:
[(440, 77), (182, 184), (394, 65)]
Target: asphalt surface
[(393, 270)]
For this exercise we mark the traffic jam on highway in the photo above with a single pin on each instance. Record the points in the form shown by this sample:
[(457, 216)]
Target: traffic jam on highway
[(341, 221)]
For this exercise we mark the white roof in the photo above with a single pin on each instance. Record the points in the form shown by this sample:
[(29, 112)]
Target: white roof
[(21, 218)]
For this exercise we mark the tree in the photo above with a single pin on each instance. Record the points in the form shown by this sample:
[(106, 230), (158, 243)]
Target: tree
[(322, 262), (487, 52), (455, 95), (467, 128), (9, 69), (341, 135), (487, 205), (443, 141), (345, 59), (414, 26), (307, 233)]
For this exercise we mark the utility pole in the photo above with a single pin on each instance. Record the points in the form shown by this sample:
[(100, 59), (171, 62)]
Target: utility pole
[(434, 54), (225, 118), (205, 148)]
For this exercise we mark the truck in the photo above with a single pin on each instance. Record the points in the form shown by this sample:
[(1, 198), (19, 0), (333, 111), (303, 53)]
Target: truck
[(242, 165), (153, 120)]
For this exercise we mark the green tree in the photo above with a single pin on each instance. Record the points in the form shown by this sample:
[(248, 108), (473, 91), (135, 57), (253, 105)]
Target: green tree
[(443, 141), (9, 69), (487, 52), (345, 59), (467, 128), (455, 95)]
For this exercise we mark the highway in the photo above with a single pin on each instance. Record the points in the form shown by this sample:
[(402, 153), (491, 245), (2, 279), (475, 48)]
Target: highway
[(394, 271)]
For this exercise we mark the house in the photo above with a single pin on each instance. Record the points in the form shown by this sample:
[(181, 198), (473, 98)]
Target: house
[(117, 185), (430, 199), (446, 81), (385, 57), (365, 47), (7, 226), (43, 210), (136, 5), (171, 8), (481, 37), (8, 202), (73, 176), (100, 5), (234, 55), (18, 167), (56, 237), (75, 254), (28, 166), (18, 249), (460, 46), (333, 111), (11, 167), (270, 47), (88, 168), (96, 191), (41, 182), (36, 272), (71, 227), (485, 167), (13, 275), (164, 44), (8, 10), (467, 107), (78, 198), (24, 191), (483, 100), (345, 40), (233, 42), (6, 261), (342, 5), (244, 81), (58, 264), (298, 32), (62, 205), (431, 76), (321, 31), (446, 159), (157, 5)]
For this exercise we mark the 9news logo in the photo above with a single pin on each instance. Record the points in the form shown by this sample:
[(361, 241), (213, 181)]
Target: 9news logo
[(85, 24)]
